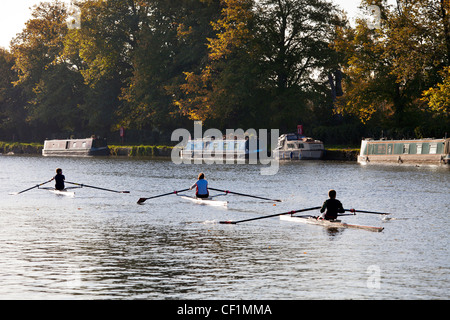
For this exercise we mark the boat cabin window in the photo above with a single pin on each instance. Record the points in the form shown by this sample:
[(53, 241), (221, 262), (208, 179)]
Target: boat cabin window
[(380, 149), (67, 144), (433, 148), (301, 146), (405, 148), (291, 146), (419, 148), (74, 145)]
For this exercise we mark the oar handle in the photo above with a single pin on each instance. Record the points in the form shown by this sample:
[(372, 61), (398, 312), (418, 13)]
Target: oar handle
[(243, 194)]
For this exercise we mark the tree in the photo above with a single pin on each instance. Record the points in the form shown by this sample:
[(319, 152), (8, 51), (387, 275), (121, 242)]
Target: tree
[(297, 57), (438, 98), (220, 91), (50, 86), (389, 68), (105, 44), (172, 40), (12, 102), (266, 62)]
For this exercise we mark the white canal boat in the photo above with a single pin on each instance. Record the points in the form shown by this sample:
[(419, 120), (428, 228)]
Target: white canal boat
[(75, 147), (421, 151)]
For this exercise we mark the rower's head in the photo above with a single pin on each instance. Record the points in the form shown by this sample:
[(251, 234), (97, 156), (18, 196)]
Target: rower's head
[(59, 171), (332, 194), (201, 175)]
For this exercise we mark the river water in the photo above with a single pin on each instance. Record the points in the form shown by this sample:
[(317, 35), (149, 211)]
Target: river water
[(103, 245)]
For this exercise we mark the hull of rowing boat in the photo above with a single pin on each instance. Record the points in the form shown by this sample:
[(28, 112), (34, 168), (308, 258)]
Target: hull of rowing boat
[(207, 201), (328, 223), (63, 193)]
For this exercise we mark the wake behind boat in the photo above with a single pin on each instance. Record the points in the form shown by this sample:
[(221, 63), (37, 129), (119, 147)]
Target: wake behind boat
[(64, 192), (328, 223), (206, 201)]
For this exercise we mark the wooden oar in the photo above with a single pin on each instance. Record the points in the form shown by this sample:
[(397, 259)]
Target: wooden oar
[(362, 211), (36, 186), (85, 185), (243, 194), (269, 216), (142, 200)]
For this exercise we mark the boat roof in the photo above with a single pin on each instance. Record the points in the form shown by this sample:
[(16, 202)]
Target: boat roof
[(385, 140), (71, 139), (297, 137)]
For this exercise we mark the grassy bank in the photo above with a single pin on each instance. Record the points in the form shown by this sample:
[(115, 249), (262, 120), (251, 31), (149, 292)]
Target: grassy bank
[(20, 148), (141, 151), (341, 152)]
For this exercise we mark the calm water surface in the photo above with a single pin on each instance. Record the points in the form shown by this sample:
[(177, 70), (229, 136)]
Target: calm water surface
[(102, 245)]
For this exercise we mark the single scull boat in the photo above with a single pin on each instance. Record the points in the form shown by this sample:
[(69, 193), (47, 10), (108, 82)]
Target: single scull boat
[(328, 223), (207, 201)]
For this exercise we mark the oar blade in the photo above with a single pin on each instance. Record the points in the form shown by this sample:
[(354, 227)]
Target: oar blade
[(36, 186), (141, 200)]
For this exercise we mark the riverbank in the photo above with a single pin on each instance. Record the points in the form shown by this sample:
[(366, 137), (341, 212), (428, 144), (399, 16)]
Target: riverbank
[(340, 153), (20, 148)]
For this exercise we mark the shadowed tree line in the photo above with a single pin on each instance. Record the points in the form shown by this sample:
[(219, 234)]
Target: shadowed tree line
[(151, 66)]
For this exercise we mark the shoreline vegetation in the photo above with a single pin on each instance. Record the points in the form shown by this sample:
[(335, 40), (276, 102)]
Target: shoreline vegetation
[(340, 152)]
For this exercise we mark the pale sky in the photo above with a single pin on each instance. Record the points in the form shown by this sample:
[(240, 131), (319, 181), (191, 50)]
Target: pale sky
[(14, 14)]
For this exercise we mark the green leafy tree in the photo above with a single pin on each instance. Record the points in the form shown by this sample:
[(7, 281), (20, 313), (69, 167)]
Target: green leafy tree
[(104, 45), (172, 41), (389, 68), (50, 86), (12, 102), (223, 89)]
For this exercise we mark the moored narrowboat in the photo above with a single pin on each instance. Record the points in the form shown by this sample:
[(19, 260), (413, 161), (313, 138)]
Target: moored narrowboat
[(426, 151), (76, 147), (221, 149)]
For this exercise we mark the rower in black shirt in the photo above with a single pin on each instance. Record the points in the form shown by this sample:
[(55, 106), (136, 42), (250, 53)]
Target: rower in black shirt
[(59, 180), (332, 207)]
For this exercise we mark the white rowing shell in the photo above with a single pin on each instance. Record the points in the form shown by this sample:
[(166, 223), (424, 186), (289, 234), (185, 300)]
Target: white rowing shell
[(207, 201), (328, 224)]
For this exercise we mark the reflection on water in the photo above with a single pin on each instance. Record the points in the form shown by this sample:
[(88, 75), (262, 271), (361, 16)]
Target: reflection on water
[(103, 245)]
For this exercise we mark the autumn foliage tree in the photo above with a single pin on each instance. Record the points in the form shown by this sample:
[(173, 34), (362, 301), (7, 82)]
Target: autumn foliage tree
[(390, 69), (151, 66)]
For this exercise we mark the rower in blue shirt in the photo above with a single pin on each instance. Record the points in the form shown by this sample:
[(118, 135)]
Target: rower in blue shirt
[(202, 187)]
